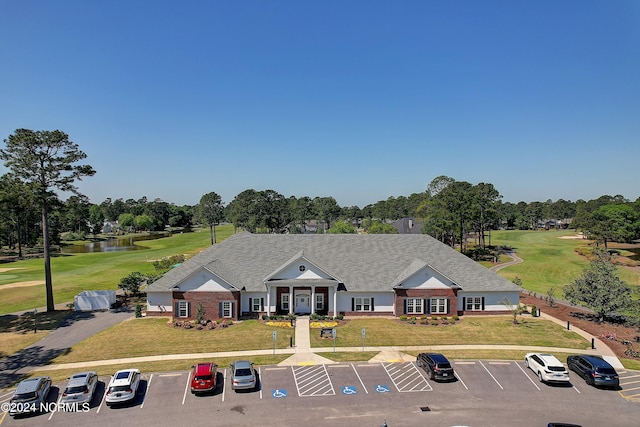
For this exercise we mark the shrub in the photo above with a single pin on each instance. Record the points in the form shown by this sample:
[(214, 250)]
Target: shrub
[(434, 322), (403, 318), (455, 318), (138, 310), (434, 317)]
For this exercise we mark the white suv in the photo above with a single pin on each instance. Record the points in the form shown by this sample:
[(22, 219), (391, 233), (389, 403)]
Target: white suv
[(123, 386), (547, 367)]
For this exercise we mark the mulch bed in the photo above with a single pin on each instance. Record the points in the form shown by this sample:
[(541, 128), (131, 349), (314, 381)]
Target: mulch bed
[(585, 320)]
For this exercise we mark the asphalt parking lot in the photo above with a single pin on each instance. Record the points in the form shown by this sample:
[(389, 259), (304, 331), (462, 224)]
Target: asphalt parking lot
[(485, 393)]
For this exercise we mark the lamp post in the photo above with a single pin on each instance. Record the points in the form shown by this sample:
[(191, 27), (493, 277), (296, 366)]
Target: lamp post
[(35, 324)]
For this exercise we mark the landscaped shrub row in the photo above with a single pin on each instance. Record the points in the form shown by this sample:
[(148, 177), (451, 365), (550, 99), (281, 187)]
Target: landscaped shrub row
[(433, 320)]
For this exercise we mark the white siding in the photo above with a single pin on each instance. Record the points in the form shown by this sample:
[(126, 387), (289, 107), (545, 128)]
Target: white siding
[(161, 302), (293, 272), (426, 279), (493, 301), (383, 301), (203, 281)]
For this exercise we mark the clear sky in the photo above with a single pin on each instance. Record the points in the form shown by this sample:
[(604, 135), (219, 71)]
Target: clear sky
[(359, 100)]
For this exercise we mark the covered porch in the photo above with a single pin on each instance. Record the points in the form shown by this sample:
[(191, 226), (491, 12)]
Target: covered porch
[(302, 296)]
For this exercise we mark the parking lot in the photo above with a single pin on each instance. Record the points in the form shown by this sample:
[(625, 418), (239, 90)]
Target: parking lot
[(484, 393)]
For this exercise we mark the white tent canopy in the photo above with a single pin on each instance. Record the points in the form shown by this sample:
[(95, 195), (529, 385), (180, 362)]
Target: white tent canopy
[(94, 300)]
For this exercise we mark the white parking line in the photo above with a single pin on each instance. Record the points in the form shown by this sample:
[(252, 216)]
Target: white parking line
[(460, 379), (224, 384), (494, 378), (186, 387), (146, 391), (359, 379), (329, 379), (104, 396), (58, 403), (528, 377)]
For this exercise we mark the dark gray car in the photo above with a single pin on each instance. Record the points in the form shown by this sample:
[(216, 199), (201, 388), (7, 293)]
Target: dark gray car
[(595, 370), (436, 365)]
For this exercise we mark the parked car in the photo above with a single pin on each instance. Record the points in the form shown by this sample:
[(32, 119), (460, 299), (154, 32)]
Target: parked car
[(30, 395), (243, 375), (80, 388), (547, 367), (123, 386), (203, 377), (595, 370), (436, 365)]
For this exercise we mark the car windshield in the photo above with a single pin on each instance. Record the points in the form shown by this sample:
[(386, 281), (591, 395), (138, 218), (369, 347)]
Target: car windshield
[(203, 377), (243, 372), (76, 389), (26, 396)]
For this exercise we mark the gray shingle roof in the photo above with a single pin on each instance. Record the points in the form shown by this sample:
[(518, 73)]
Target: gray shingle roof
[(362, 262)]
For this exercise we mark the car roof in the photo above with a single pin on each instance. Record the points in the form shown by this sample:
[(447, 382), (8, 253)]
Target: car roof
[(204, 368), (241, 364), (597, 361), (80, 379), (549, 359), (437, 357), (29, 385), (124, 376)]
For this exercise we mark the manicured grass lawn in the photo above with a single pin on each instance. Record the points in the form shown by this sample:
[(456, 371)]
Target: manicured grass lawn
[(153, 336), (470, 330), (75, 273), (549, 260)]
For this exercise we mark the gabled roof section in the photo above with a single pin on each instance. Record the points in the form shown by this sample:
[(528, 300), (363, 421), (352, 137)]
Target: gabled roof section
[(296, 259), (362, 262)]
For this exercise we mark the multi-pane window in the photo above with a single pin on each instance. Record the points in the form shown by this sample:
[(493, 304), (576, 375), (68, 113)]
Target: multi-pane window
[(362, 304), (415, 306), (284, 301), (439, 305), (474, 303), (319, 302), (227, 308), (256, 304), (183, 308)]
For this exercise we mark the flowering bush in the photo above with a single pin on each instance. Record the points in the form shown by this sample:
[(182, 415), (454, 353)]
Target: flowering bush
[(326, 324), (279, 324)]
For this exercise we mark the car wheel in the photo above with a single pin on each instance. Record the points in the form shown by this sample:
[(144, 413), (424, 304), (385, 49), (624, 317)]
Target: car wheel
[(526, 362), (540, 376), (432, 375)]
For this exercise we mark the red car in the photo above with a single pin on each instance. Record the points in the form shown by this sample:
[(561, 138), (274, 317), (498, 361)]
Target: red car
[(203, 377)]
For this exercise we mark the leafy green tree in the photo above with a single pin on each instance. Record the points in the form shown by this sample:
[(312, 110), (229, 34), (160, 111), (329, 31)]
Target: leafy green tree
[(211, 212), (126, 221), (48, 161), (16, 206), (131, 283), (144, 222), (341, 227), (378, 227), (618, 223), (599, 286), (327, 209), (96, 219)]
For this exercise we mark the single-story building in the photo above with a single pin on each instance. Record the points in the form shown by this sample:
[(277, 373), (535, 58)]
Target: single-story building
[(332, 274)]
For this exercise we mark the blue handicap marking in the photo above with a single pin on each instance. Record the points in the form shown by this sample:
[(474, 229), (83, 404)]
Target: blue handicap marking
[(382, 388), (279, 393), (349, 389)]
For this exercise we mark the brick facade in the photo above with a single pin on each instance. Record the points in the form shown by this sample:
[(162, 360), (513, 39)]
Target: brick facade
[(426, 294), (211, 302)]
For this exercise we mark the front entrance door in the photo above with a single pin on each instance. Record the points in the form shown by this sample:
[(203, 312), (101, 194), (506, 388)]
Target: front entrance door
[(302, 305)]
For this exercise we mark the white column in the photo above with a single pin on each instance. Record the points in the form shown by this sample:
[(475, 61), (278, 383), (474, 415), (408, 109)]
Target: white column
[(268, 300), (335, 301), (313, 299), (290, 299)]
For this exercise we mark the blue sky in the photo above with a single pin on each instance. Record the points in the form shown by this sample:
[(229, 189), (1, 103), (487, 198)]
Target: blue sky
[(359, 100)]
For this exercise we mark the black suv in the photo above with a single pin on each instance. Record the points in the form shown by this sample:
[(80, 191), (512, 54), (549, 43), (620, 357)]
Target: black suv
[(595, 370), (436, 365)]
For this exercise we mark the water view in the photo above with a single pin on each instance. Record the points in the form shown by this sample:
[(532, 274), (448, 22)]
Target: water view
[(115, 244)]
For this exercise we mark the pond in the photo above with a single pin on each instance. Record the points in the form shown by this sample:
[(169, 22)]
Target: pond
[(115, 244)]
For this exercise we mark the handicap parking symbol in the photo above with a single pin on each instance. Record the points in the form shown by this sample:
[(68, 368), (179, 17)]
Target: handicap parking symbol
[(279, 393), (349, 389), (382, 388)]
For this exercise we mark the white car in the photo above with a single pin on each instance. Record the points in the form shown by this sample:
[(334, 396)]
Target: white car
[(123, 386), (547, 367), (80, 388)]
